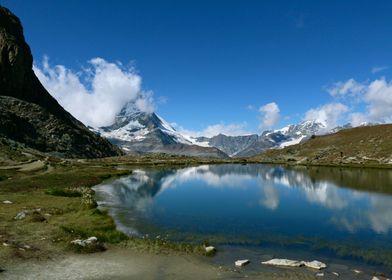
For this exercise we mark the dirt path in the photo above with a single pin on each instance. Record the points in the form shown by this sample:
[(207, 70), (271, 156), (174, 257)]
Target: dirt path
[(25, 167), (127, 264)]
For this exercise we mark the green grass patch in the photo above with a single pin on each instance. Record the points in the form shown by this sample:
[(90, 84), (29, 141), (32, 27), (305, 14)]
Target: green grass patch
[(63, 192)]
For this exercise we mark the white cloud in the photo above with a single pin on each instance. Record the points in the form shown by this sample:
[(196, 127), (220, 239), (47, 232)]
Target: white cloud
[(328, 114), (350, 87), (357, 119), (106, 88), (270, 114), (233, 129), (376, 97), (379, 99), (379, 69)]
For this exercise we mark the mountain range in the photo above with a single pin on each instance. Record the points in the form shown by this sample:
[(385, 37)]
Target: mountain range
[(137, 132), (31, 117)]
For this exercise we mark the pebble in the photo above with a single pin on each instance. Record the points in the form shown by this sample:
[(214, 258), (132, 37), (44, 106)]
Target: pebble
[(320, 274), (336, 274), (315, 264), (7, 202), (210, 249), (241, 262)]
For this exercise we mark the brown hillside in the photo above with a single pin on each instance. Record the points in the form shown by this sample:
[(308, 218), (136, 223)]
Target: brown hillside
[(356, 146)]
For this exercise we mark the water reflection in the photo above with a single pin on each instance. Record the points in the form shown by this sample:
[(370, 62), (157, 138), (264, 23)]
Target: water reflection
[(315, 199)]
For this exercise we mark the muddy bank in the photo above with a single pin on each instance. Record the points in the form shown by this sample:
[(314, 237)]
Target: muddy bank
[(118, 263)]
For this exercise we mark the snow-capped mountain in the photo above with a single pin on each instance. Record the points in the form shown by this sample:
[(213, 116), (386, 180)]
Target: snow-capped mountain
[(138, 132), (250, 145)]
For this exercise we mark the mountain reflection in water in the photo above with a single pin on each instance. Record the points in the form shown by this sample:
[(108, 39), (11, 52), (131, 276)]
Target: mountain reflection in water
[(254, 201)]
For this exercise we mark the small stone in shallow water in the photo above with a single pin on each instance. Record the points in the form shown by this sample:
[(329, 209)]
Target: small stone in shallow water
[(7, 202), (336, 274), (357, 271), (320, 274), (241, 262), (284, 262)]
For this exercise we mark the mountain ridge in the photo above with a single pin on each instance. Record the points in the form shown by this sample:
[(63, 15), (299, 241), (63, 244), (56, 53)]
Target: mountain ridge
[(138, 132), (29, 114)]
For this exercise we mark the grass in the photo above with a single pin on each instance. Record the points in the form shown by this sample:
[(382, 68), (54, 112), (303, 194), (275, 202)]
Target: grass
[(64, 217), (368, 146), (60, 195), (63, 192)]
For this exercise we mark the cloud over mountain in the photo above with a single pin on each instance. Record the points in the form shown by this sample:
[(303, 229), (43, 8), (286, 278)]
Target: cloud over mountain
[(270, 114), (94, 94)]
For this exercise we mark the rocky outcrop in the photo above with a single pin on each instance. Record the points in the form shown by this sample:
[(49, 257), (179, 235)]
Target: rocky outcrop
[(28, 113)]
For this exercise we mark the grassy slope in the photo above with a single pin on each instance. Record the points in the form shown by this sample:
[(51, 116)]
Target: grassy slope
[(362, 146)]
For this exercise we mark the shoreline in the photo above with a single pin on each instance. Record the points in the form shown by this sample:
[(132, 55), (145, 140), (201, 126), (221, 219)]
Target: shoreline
[(27, 189)]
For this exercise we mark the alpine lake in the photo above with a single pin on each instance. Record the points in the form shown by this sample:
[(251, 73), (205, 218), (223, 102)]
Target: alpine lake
[(340, 216)]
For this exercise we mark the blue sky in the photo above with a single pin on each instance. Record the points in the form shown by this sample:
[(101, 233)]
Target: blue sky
[(218, 62)]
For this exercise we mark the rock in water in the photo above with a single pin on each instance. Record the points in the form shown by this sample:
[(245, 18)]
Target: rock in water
[(28, 113), (284, 262), (242, 262), (295, 263)]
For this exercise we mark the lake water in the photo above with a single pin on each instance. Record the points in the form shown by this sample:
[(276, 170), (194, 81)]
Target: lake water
[(331, 212)]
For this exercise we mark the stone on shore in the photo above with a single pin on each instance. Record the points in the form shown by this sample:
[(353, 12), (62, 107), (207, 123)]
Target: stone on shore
[(21, 215), (241, 262), (7, 202), (296, 263), (315, 264), (84, 242), (210, 249), (284, 262)]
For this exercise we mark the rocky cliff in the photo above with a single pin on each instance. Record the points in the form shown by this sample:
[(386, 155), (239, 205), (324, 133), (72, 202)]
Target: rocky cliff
[(28, 113)]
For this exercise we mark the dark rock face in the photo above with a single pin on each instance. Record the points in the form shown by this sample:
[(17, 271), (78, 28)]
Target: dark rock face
[(28, 113)]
